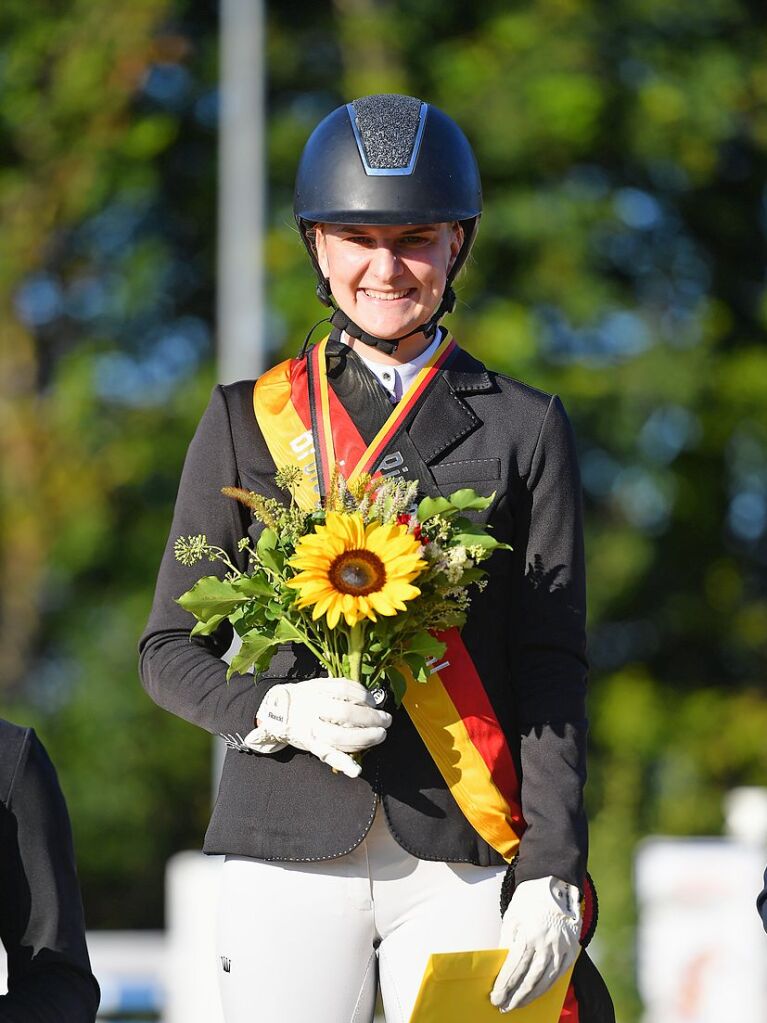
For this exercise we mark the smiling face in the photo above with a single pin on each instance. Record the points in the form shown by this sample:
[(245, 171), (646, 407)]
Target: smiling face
[(388, 279)]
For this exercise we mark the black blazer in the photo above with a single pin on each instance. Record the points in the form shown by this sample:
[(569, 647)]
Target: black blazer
[(525, 632), (41, 915)]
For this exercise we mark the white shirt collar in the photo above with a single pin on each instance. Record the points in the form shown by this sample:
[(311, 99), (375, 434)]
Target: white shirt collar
[(396, 379)]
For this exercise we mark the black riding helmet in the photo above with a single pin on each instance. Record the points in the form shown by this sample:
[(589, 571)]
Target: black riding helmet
[(387, 159)]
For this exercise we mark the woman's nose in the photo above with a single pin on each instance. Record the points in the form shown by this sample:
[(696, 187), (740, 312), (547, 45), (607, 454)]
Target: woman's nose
[(385, 262)]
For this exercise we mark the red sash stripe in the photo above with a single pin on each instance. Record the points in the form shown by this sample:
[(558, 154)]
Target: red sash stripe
[(464, 687), (570, 1012), (299, 391)]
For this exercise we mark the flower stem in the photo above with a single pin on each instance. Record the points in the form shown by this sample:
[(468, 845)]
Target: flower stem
[(315, 647), (356, 645)]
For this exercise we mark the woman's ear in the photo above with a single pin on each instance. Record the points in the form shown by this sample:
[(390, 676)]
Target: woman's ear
[(320, 249), (456, 241)]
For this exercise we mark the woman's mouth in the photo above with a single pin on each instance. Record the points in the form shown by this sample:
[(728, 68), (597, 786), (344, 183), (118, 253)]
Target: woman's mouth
[(386, 296)]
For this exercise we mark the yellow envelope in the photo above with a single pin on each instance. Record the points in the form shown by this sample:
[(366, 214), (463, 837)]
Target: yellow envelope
[(456, 989)]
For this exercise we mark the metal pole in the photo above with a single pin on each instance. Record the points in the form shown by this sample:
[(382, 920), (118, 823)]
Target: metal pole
[(241, 177), (241, 188)]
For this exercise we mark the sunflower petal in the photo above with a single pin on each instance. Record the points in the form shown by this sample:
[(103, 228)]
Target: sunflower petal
[(333, 614), (381, 603)]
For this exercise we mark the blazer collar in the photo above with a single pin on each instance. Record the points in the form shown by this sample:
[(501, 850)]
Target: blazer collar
[(467, 375), (444, 418)]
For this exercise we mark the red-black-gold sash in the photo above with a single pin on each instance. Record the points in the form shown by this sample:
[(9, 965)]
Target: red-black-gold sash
[(339, 441), (451, 712)]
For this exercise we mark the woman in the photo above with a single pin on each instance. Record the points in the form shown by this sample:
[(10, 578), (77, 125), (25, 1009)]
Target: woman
[(336, 877)]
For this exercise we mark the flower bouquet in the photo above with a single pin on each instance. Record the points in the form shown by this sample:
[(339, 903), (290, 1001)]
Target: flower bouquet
[(364, 582)]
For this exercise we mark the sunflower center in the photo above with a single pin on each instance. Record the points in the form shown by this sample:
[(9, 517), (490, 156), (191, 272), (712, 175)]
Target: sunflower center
[(357, 572)]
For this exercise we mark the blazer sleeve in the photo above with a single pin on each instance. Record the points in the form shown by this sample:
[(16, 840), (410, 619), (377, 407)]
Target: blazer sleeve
[(41, 914), (186, 675), (551, 666)]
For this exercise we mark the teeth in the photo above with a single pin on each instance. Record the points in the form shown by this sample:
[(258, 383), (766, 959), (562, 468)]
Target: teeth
[(387, 296)]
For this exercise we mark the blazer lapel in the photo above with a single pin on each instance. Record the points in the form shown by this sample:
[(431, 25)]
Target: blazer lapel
[(441, 420), (444, 418), (365, 401)]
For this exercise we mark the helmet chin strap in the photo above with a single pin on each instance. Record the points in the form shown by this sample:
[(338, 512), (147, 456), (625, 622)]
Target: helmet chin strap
[(389, 345)]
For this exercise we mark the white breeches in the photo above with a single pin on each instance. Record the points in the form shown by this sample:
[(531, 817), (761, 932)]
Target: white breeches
[(308, 942)]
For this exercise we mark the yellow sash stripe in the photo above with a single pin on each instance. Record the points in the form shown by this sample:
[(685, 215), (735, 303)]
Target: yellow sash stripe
[(288, 440), (467, 775)]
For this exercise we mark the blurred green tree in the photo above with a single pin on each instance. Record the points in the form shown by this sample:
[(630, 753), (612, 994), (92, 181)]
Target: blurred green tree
[(106, 188)]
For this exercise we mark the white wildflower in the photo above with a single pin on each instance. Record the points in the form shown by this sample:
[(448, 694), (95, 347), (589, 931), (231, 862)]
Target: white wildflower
[(457, 555)]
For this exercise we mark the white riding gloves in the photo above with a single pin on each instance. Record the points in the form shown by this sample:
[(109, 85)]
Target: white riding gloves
[(541, 928), (329, 717)]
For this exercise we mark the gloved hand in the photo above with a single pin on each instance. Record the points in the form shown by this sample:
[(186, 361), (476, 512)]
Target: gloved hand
[(329, 717), (541, 928)]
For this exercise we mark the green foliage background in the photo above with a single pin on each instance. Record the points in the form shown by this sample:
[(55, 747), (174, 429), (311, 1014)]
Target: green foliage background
[(620, 263)]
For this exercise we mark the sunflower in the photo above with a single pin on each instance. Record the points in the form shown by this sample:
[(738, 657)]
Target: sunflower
[(354, 570)]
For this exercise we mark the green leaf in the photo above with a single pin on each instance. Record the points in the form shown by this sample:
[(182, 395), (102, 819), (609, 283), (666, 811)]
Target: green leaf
[(249, 617), (254, 646), (256, 585), (208, 627), (426, 645), (472, 575), (273, 611), (211, 596), (431, 506), (286, 632), (267, 551), (479, 539), (267, 541), (417, 665), (461, 523), (465, 526), (397, 684), (468, 498), (275, 560)]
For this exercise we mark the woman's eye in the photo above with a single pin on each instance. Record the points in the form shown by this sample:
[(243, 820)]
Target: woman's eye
[(360, 239), (414, 241)]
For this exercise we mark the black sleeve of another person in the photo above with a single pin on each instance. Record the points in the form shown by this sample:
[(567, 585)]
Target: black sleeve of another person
[(761, 902), (41, 914)]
